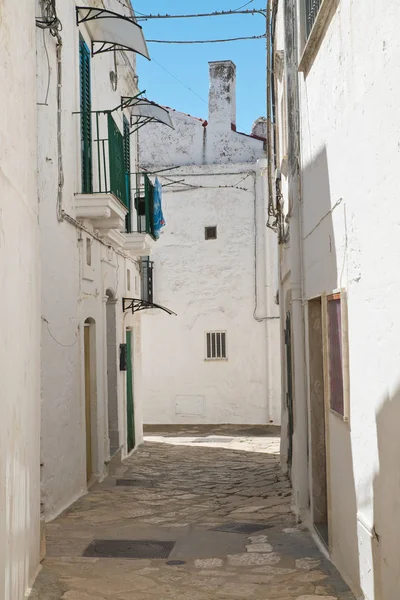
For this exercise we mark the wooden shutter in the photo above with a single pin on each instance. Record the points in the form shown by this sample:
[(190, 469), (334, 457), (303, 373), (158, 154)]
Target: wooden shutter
[(127, 166), (86, 118)]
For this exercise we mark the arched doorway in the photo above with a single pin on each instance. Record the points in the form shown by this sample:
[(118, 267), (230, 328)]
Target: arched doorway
[(112, 372), (90, 394)]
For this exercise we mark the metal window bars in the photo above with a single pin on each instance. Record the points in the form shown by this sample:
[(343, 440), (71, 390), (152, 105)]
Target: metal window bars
[(312, 8), (216, 345)]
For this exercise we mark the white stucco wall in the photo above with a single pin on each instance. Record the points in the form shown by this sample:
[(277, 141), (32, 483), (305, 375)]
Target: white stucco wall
[(210, 284), (72, 291), (19, 305), (228, 284), (350, 158), (196, 141)]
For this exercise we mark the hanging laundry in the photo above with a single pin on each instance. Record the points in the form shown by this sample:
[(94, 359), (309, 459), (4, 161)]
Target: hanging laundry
[(159, 221)]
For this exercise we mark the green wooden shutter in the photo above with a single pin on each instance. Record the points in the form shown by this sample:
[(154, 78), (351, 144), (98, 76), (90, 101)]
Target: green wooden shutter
[(127, 166), (116, 160), (86, 118)]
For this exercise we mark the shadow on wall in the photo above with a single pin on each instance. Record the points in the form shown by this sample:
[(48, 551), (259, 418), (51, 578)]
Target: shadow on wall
[(333, 495), (386, 502)]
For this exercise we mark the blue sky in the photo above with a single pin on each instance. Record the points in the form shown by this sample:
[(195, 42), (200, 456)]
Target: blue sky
[(189, 63)]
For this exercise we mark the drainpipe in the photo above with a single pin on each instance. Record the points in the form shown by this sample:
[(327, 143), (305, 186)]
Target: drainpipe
[(300, 436)]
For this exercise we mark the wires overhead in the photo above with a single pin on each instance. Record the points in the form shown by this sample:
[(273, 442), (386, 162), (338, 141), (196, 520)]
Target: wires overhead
[(253, 37), (222, 13), (179, 81)]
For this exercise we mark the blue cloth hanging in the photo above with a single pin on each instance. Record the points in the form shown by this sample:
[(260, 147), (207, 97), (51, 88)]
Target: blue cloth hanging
[(159, 221)]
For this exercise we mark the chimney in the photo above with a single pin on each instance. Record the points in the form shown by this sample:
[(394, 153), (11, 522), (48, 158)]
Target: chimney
[(222, 95)]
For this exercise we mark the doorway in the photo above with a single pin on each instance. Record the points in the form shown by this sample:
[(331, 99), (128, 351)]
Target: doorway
[(112, 373), (129, 392), (319, 487), (90, 393)]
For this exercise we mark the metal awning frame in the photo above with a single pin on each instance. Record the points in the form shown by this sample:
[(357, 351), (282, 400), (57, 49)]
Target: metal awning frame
[(138, 121), (136, 305), (101, 13)]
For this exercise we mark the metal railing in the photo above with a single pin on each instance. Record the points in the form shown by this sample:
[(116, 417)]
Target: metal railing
[(144, 204), (146, 270), (107, 159), (312, 8)]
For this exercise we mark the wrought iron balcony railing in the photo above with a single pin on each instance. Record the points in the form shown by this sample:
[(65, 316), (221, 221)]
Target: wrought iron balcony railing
[(144, 204), (105, 159), (312, 8)]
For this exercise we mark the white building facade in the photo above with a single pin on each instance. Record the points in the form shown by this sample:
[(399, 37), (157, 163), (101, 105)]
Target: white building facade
[(213, 266), (20, 305), (91, 246), (337, 155)]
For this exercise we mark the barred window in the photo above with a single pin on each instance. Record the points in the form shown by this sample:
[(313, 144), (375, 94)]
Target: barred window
[(312, 8), (335, 354), (216, 345)]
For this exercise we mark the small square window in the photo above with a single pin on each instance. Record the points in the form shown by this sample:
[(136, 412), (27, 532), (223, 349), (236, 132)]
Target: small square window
[(216, 345), (210, 233)]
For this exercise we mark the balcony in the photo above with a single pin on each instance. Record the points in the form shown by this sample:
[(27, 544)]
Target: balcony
[(141, 241), (104, 199)]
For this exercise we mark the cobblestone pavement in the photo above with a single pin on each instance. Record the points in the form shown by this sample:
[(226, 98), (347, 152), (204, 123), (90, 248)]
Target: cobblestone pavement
[(221, 502)]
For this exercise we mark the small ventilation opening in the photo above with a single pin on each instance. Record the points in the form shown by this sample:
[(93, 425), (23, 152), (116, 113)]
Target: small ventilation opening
[(210, 233), (216, 345)]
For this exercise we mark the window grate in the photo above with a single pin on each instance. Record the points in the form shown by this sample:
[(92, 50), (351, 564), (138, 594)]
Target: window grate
[(147, 279), (312, 8), (216, 345)]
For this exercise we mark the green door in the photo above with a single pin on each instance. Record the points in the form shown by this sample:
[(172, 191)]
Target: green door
[(129, 392)]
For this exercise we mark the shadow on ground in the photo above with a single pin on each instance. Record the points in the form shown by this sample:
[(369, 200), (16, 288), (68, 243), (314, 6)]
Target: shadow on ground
[(220, 517)]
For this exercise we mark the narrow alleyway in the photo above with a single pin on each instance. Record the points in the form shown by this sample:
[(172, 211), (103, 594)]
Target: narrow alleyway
[(222, 507)]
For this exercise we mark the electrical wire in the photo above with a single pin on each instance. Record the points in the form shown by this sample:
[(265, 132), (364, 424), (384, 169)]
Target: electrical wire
[(56, 340), (223, 13), (254, 37), (48, 71), (179, 81), (240, 7)]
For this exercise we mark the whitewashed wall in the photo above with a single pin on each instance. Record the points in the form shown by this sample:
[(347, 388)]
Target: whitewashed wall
[(19, 305), (350, 158), (71, 291), (225, 284), (210, 285)]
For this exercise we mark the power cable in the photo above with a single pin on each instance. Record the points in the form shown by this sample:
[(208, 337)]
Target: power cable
[(179, 81), (222, 13), (254, 37)]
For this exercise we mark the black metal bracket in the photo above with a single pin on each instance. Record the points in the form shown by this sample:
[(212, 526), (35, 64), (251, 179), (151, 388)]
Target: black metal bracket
[(135, 305), (101, 13)]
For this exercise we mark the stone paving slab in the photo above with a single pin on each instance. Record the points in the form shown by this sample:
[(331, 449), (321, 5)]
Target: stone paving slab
[(196, 488)]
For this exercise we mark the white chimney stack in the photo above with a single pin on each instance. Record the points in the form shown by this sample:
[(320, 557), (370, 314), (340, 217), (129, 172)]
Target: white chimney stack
[(222, 95)]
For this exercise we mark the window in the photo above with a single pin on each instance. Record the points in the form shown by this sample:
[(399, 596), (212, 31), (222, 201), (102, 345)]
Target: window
[(210, 233), (86, 117), (89, 252), (335, 354), (147, 279), (216, 345), (128, 279), (312, 8)]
